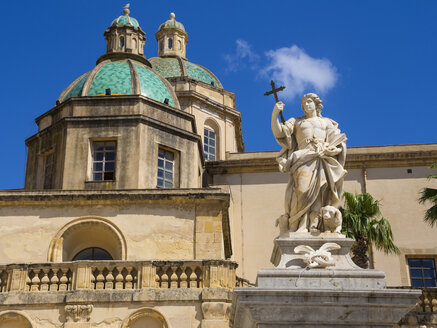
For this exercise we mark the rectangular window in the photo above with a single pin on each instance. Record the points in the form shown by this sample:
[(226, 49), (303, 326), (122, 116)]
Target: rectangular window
[(166, 161), (103, 166), (48, 171), (209, 141), (422, 272)]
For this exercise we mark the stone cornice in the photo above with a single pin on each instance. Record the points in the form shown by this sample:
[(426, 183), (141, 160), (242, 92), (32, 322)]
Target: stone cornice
[(357, 157), (98, 197), (156, 295), (95, 120), (100, 100)]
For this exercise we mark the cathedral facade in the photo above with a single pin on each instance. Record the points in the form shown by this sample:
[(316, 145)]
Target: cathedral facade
[(141, 208)]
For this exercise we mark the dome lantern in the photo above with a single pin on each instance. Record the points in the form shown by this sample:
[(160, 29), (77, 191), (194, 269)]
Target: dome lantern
[(125, 35), (172, 38)]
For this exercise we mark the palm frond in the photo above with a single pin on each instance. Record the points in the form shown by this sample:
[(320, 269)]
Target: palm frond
[(381, 235), (428, 194), (431, 215)]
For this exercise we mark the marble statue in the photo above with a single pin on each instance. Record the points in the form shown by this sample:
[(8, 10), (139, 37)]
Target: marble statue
[(313, 153)]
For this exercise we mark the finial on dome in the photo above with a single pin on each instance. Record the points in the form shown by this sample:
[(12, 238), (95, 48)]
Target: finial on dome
[(172, 16), (126, 10)]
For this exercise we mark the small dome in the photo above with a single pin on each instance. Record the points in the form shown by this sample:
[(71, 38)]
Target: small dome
[(125, 19), (177, 67), (171, 23), (118, 76)]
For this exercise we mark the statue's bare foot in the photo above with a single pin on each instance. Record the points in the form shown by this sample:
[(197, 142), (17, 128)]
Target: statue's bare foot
[(302, 229)]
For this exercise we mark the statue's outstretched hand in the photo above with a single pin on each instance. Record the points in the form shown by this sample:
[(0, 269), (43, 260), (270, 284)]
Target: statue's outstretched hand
[(279, 106)]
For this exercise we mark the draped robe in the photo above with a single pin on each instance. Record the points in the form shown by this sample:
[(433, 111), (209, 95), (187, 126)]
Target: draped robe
[(313, 175)]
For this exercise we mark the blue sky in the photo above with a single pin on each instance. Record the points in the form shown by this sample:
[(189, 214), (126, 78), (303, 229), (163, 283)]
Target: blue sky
[(372, 62)]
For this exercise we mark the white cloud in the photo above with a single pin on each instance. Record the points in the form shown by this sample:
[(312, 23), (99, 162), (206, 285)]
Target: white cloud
[(243, 55), (299, 72)]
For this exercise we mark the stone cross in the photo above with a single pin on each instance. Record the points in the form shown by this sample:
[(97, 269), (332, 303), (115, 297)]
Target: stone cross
[(275, 93)]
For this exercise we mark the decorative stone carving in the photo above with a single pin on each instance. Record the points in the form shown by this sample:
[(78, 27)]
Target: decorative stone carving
[(78, 312), (321, 258), (332, 219), (216, 310), (215, 314), (313, 153)]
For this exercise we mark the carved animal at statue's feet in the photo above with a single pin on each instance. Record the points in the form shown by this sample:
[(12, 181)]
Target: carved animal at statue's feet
[(332, 218), (282, 222)]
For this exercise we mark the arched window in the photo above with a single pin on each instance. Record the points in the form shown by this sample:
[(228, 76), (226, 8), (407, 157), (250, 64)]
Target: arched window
[(179, 45), (93, 254), (145, 317), (121, 42), (209, 143), (161, 46), (13, 319), (88, 238), (170, 43)]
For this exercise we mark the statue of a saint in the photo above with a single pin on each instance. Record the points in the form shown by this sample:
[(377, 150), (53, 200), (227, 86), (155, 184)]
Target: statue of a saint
[(313, 153)]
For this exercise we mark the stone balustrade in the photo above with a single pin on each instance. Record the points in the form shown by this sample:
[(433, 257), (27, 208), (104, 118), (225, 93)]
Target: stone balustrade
[(118, 275), (48, 278), (428, 301), (114, 277), (425, 312)]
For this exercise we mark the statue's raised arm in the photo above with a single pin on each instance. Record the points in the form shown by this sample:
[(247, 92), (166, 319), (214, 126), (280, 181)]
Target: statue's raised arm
[(313, 153), (276, 126)]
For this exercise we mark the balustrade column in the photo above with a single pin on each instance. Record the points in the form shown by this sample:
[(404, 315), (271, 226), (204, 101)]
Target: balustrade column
[(129, 279), (183, 278), (119, 279), (54, 281), (45, 280), (174, 277)]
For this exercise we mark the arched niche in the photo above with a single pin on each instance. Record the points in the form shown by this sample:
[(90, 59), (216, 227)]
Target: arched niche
[(86, 232), (14, 319), (211, 124), (145, 317)]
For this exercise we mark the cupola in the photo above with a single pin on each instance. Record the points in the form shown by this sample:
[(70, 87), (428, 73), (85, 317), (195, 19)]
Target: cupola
[(125, 35), (172, 38)]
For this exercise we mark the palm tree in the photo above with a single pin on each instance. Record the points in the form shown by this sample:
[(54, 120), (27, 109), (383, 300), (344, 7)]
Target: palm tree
[(362, 221), (430, 194)]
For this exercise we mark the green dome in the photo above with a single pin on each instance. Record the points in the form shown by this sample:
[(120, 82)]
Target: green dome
[(119, 77), (125, 20), (177, 67), (171, 23)]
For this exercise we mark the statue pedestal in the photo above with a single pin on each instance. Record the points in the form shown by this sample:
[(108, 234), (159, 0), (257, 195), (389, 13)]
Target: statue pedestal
[(293, 295)]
